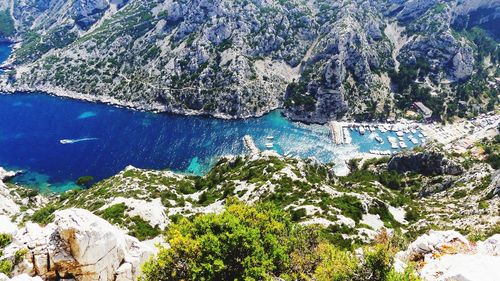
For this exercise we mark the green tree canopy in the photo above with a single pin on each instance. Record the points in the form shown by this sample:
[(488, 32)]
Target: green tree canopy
[(259, 242)]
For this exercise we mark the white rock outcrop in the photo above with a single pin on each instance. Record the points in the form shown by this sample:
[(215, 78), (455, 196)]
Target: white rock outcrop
[(447, 255), (7, 205), (78, 245)]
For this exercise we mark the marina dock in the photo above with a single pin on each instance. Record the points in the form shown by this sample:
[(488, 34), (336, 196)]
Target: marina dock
[(250, 145), (336, 132)]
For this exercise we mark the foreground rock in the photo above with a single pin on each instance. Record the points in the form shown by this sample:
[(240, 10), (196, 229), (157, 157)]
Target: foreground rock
[(447, 255), (7, 204), (79, 246)]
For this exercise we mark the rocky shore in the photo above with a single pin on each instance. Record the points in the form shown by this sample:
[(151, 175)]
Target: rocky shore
[(154, 107)]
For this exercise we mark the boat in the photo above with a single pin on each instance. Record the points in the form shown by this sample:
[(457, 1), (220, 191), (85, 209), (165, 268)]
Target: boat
[(269, 145), (362, 130), (413, 140), (270, 137), (379, 139), (413, 131), (402, 144), (420, 135), (394, 145), (401, 138), (400, 134), (66, 141)]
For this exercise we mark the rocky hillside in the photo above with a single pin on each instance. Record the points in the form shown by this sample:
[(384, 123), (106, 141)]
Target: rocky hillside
[(409, 194), (456, 193), (318, 59)]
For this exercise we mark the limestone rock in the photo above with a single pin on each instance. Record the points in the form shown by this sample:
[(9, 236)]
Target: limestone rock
[(78, 245), (426, 163), (235, 59), (447, 255)]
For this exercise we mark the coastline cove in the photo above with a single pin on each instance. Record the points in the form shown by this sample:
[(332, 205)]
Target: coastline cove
[(55, 140)]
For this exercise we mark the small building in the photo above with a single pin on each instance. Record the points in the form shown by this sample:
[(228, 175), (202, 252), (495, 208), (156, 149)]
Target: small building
[(422, 109)]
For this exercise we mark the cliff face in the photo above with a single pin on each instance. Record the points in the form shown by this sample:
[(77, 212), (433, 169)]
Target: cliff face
[(318, 59), (426, 163)]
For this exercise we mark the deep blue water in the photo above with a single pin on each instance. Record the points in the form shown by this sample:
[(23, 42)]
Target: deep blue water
[(104, 139)]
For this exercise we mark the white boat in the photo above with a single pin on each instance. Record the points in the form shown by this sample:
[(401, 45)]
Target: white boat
[(413, 140), (66, 141), (270, 137), (362, 130), (420, 135), (379, 139), (401, 138), (400, 134), (394, 145), (402, 144), (269, 145), (413, 131)]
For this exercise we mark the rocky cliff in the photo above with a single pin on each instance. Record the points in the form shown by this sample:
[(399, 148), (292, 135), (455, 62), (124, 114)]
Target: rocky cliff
[(318, 59), (426, 163)]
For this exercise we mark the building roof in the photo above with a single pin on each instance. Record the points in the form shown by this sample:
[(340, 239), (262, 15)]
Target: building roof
[(427, 112)]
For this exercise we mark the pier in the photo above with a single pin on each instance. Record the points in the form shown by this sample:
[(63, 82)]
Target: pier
[(336, 132), (250, 144)]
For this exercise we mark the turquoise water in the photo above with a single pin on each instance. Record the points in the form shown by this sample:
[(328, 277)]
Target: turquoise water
[(56, 140)]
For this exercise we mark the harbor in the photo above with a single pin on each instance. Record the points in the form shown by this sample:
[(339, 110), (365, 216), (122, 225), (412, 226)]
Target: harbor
[(381, 138)]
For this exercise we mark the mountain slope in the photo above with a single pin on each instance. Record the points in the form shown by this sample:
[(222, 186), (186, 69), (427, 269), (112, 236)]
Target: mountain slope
[(318, 59)]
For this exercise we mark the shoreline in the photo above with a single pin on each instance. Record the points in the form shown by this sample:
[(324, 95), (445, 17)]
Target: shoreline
[(155, 107)]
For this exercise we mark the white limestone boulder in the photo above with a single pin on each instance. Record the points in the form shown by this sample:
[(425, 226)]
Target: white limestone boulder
[(447, 255), (431, 243), (79, 245)]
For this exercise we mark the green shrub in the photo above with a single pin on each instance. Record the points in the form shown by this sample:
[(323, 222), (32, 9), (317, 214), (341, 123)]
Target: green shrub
[(84, 181), (6, 267), (5, 239), (115, 213), (19, 255), (262, 243), (298, 214), (335, 265), (349, 206), (142, 230), (44, 215), (459, 194)]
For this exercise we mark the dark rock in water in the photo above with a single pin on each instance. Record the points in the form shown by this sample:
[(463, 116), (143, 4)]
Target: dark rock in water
[(425, 163)]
